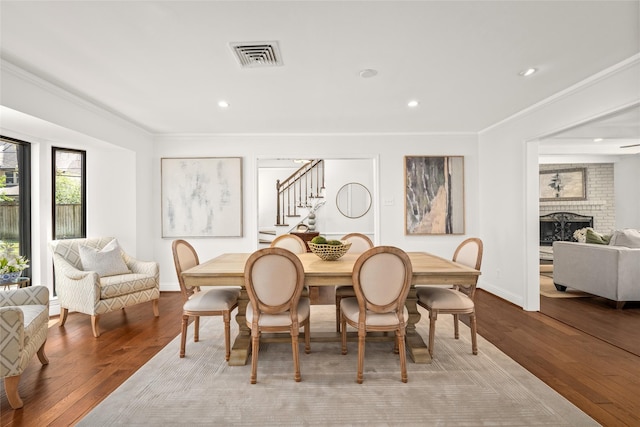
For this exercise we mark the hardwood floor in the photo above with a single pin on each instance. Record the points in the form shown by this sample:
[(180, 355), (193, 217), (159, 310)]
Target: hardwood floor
[(601, 379)]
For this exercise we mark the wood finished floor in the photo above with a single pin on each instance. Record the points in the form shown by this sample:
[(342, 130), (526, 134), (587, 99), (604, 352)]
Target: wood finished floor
[(600, 378)]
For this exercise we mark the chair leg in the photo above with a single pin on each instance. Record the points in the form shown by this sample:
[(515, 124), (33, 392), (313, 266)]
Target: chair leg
[(255, 347), (63, 315), (94, 325), (338, 299), (226, 317), (343, 323), (11, 387), (196, 329), (361, 341), (183, 336), (474, 340), (403, 355), (296, 356), (41, 356), (156, 307), (433, 316), (456, 330), (307, 337)]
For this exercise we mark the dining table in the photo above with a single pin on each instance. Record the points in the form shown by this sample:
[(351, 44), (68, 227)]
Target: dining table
[(428, 269)]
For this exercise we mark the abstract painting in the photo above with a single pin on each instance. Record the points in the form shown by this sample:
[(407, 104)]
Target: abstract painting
[(563, 184), (201, 197), (434, 195)]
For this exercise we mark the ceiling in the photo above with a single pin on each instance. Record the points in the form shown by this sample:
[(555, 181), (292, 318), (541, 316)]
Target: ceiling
[(165, 65), (613, 134)]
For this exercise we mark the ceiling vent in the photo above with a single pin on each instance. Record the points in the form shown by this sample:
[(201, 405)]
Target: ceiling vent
[(257, 54)]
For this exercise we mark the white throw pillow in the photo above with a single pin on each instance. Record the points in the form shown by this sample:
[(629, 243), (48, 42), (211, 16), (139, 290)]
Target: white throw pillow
[(105, 262), (629, 238)]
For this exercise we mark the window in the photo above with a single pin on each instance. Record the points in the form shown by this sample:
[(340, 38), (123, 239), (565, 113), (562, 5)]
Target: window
[(15, 196), (69, 193)]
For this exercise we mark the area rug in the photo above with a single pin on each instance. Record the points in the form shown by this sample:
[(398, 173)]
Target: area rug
[(456, 389), (548, 289)]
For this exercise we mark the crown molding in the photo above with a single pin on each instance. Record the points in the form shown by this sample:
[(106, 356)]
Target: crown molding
[(66, 94)]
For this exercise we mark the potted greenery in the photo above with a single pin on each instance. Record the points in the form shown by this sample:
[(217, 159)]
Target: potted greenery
[(11, 264)]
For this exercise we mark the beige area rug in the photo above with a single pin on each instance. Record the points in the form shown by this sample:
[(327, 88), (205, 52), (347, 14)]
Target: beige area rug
[(548, 289), (457, 389)]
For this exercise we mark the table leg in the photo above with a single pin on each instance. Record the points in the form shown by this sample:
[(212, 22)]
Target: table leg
[(242, 344), (418, 350)]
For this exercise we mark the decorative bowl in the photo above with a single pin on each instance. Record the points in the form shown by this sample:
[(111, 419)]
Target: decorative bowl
[(329, 252)]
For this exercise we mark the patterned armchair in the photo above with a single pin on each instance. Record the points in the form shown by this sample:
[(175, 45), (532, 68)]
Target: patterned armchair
[(24, 316), (94, 292)]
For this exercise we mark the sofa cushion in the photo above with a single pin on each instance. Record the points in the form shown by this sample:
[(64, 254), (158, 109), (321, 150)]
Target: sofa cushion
[(35, 317), (106, 262), (596, 238), (124, 284), (629, 238)]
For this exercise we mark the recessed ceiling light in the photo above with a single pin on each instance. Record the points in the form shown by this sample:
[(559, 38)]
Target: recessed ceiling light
[(598, 139), (368, 73), (223, 104), (528, 72), (413, 103)]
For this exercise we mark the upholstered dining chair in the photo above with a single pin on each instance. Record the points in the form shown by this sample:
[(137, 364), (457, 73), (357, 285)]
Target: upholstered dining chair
[(290, 242), (381, 281), (215, 301), (274, 279), (359, 244), (457, 300)]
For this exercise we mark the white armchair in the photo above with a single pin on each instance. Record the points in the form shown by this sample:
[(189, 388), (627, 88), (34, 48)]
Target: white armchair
[(24, 317), (94, 290)]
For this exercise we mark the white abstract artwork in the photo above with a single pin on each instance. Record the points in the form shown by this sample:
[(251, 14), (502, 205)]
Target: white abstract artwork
[(201, 197)]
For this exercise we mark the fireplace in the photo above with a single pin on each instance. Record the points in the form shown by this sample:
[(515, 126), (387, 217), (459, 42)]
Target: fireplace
[(560, 226)]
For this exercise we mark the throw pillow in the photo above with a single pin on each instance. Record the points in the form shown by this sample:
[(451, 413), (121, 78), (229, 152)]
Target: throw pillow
[(629, 238), (106, 262), (597, 238)]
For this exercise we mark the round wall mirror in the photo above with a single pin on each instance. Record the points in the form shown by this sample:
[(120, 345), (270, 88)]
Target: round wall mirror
[(353, 200)]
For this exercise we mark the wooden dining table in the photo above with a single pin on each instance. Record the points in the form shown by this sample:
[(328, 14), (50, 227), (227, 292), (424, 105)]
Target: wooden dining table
[(228, 270)]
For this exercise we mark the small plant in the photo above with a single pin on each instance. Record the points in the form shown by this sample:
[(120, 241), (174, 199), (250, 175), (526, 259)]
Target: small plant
[(10, 261)]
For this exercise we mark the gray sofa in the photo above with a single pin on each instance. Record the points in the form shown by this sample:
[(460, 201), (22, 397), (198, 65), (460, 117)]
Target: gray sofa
[(608, 271)]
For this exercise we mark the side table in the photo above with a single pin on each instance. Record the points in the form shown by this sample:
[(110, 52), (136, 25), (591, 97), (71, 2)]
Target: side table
[(20, 282)]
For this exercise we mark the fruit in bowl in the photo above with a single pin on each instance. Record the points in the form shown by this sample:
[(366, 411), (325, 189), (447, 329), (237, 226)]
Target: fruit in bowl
[(328, 250)]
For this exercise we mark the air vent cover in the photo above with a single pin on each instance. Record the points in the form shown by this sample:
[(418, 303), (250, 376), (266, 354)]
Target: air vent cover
[(257, 54)]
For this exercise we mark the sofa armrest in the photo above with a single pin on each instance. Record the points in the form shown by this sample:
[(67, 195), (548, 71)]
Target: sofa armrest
[(150, 268), (11, 324), (82, 287), (31, 295)]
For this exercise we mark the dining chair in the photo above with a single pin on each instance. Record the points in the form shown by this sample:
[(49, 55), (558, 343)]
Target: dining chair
[(381, 281), (274, 279), (457, 300), (216, 301), (290, 242), (359, 244)]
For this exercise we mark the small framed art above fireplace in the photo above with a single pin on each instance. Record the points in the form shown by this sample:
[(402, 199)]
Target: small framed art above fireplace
[(560, 226)]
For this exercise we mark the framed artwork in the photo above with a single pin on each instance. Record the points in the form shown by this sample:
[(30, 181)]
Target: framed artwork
[(563, 184), (434, 194), (201, 197)]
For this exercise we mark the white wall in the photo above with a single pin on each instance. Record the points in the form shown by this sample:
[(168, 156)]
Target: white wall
[(627, 192), (508, 176), (118, 163), (390, 149)]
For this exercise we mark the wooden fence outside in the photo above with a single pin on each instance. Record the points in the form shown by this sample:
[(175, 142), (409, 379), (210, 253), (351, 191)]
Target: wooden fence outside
[(68, 221)]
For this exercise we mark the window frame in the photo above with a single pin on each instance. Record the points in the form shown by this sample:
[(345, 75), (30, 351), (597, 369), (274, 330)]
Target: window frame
[(83, 189)]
